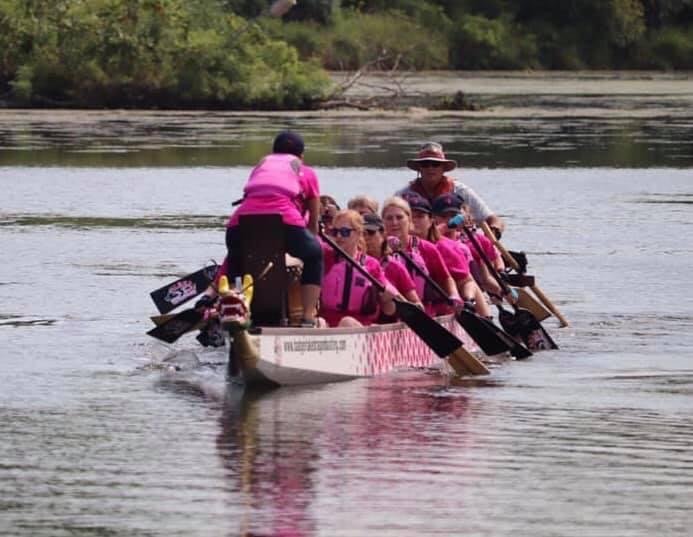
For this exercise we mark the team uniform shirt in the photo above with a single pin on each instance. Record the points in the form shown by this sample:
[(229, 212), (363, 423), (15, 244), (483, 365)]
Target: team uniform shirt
[(372, 265), (479, 210), (396, 273), (453, 253), (437, 270), (435, 264), (486, 244), (291, 210)]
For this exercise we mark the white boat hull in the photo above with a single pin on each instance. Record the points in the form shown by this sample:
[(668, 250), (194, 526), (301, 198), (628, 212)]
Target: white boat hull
[(295, 356)]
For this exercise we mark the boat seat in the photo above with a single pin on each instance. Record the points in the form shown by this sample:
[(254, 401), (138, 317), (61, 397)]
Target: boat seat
[(262, 241)]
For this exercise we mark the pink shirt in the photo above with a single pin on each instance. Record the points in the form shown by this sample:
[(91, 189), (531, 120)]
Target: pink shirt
[(453, 253), (372, 266), (486, 246), (434, 262), (398, 276), (291, 210)]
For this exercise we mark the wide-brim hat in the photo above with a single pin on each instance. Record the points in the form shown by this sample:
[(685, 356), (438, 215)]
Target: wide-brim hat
[(431, 151)]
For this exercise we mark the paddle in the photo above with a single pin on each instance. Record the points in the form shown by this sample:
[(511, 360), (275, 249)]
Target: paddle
[(174, 294), (441, 341), (185, 321), (179, 324), (510, 260), (487, 335), (522, 323)]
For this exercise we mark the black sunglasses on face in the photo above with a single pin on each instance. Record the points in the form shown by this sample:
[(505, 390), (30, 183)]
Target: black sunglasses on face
[(371, 232), (343, 231), (430, 164)]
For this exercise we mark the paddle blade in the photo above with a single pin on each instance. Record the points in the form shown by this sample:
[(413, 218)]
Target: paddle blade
[(493, 338), (178, 325), (161, 319), (524, 325), (528, 302), (171, 296), (463, 360), (437, 337), (518, 280), (483, 332)]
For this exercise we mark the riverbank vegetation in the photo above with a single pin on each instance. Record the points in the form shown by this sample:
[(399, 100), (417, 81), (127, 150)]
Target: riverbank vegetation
[(231, 54), (495, 34), (148, 53)]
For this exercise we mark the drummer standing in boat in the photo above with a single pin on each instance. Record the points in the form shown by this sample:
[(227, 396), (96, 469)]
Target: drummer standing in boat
[(282, 184), (431, 182)]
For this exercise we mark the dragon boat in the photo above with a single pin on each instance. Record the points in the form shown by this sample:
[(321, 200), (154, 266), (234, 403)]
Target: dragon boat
[(258, 330)]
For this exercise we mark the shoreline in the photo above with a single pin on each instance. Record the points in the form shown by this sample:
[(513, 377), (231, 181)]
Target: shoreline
[(492, 94)]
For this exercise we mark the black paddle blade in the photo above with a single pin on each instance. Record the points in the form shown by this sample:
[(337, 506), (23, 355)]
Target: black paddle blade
[(503, 341), (484, 332), (178, 325), (524, 325), (437, 337), (174, 294), (518, 280)]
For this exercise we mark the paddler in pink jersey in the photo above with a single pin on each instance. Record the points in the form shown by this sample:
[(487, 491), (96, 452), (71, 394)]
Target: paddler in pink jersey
[(397, 219), (282, 184), (349, 299)]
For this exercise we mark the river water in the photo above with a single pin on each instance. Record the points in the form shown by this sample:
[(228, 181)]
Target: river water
[(100, 208)]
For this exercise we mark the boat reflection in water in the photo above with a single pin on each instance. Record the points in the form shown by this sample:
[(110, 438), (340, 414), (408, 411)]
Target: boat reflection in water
[(301, 458)]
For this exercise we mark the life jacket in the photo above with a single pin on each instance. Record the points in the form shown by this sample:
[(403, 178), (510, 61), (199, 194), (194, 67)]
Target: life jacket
[(277, 173), (342, 290), (422, 288)]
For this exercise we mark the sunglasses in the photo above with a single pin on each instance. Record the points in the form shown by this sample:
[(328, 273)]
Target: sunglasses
[(430, 164), (343, 231), (371, 232)]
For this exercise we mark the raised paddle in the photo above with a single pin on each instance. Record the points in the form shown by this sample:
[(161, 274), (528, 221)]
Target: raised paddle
[(185, 321), (522, 323), (510, 260), (441, 341), (487, 335), (174, 294)]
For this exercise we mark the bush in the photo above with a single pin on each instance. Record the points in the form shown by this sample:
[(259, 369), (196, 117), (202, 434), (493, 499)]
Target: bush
[(481, 43), (669, 48), (161, 53), (358, 38)]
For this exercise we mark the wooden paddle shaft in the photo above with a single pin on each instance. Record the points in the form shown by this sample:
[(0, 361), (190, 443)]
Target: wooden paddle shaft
[(553, 309), (535, 288)]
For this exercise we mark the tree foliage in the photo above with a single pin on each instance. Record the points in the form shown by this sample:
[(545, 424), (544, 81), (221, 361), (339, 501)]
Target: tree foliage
[(148, 53), (229, 54)]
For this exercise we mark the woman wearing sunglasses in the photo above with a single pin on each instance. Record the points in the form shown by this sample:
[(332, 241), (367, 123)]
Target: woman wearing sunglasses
[(397, 219), (349, 299), (395, 272), (431, 166)]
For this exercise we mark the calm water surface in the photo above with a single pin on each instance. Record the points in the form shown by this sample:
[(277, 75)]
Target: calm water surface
[(594, 439)]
